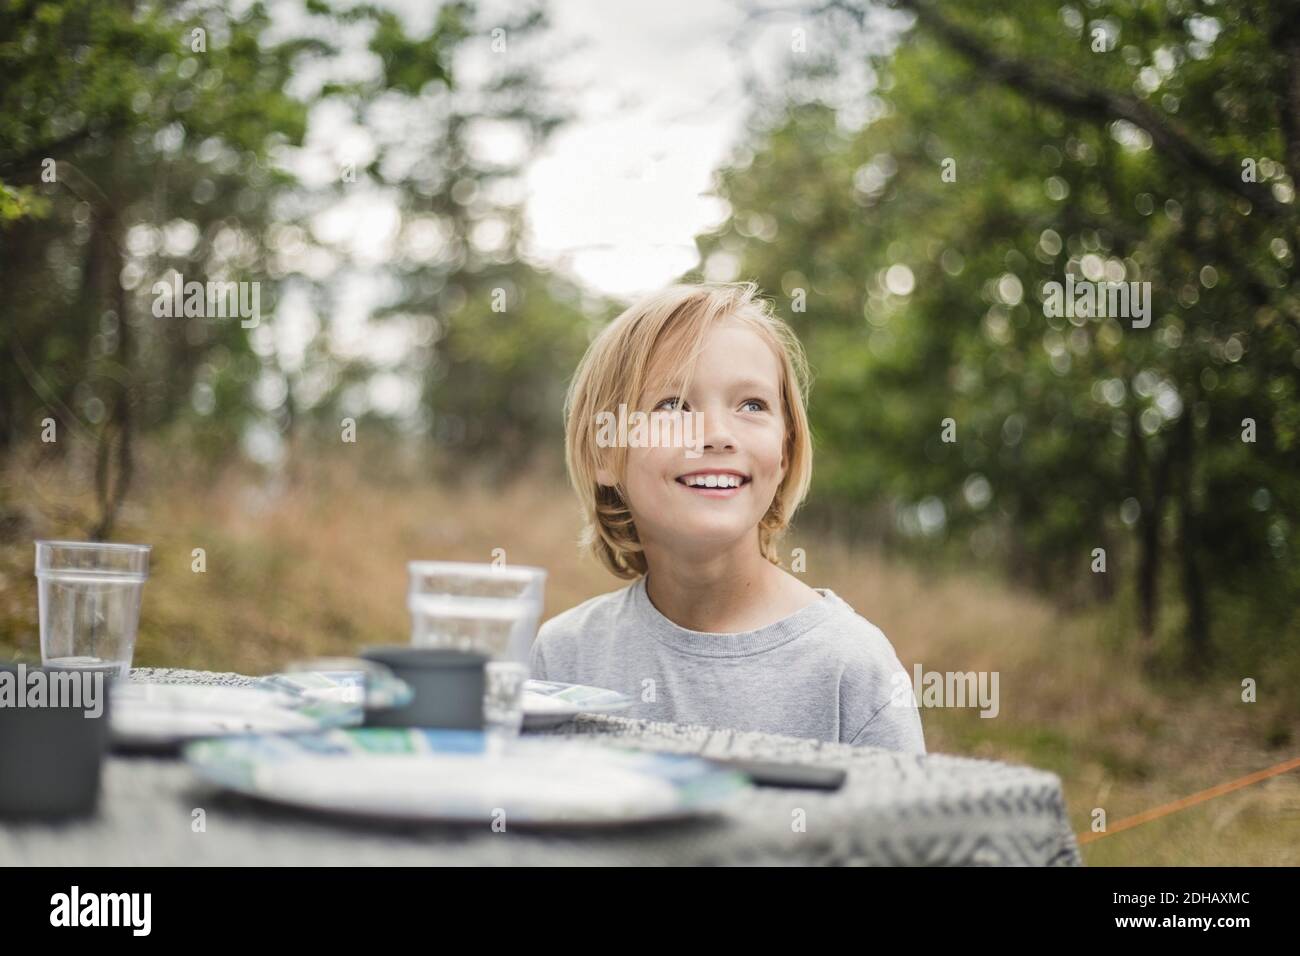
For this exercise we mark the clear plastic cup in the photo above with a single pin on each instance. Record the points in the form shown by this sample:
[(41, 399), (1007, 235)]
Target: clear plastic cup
[(89, 598), (488, 608)]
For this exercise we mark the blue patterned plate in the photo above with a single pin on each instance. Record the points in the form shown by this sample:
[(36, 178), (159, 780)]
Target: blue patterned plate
[(448, 776)]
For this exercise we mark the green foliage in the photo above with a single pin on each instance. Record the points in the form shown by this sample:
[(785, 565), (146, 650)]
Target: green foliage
[(1071, 434), (139, 140)]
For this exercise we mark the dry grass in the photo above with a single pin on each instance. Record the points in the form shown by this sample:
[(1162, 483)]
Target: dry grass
[(315, 565)]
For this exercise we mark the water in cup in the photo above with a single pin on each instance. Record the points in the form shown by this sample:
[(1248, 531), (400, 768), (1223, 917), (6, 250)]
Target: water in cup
[(84, 664), (494, 626), (89, 599)]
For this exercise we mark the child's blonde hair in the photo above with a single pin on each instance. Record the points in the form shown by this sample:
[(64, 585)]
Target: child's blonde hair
[(615, 371)]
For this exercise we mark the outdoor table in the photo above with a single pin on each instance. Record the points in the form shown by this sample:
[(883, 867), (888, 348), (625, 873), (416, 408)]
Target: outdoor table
[(894, 809)]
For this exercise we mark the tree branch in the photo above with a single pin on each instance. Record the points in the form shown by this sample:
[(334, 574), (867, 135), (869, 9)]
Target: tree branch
[(1081, 99), (47, 150)]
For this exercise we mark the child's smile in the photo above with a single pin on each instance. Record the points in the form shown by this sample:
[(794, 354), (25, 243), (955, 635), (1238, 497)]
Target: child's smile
[(713, 483)]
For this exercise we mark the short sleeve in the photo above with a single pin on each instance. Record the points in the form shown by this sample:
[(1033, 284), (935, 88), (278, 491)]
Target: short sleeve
[(878, 706), (896, 725)]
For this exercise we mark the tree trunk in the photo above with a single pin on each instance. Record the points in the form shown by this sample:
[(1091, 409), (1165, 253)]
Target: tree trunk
[(1197, 650), (1149, 572), (119, 425), (1154, 474)]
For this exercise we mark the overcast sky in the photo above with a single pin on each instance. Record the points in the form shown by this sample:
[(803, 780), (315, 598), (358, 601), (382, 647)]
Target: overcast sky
[(619, 194), (614, 200)]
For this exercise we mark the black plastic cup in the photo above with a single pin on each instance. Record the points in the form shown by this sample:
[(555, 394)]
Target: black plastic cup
[(50, 756), (447, 687)]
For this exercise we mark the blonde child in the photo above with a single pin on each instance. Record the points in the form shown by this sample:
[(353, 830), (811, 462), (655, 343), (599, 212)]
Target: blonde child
[(712, 630)]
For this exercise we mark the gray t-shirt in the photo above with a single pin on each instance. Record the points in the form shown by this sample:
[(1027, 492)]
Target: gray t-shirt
[(823, 672)]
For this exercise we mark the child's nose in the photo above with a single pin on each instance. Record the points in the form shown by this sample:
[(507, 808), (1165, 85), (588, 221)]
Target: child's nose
[(717, 433)]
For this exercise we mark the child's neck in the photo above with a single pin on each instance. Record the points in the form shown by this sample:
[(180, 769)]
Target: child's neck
[(725, 594)]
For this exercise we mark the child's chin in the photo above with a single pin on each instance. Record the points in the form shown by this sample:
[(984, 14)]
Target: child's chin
[(716, 531)]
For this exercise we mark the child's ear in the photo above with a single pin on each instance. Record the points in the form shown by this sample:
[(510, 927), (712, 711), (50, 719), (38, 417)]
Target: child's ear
[(605, 478)]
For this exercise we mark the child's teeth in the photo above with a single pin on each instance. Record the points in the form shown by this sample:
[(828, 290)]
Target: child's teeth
[(713, 481)]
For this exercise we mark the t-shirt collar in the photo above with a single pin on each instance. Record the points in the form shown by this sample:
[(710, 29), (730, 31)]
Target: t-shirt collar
[(737, 644)]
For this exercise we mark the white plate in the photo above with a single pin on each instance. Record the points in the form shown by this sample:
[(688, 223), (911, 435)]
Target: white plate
[(164, 715), (156, 716), (548, 703)]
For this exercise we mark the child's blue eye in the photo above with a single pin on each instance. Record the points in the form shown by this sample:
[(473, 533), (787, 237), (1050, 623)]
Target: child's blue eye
[(762, 405), (675, 402)]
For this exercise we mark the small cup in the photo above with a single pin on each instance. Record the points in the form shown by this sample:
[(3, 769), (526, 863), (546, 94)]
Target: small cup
[(447, 687), (486, 608), (51, 752), (89, 598)]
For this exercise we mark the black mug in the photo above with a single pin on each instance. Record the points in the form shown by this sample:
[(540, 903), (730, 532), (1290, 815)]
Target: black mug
[(446, 685), (53, 734)]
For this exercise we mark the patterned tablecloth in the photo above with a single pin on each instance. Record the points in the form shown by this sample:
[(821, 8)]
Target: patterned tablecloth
[(894, 809)]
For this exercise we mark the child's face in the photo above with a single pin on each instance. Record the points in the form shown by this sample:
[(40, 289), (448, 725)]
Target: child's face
[(737, 391)]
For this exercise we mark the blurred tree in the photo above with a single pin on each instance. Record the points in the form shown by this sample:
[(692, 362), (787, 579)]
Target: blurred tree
[(496, 336), (133, 139), (911, 241), (140, 142)]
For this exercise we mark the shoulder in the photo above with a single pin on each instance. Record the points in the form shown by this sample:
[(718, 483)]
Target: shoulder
[(592, 617), (862, 645), (577, 618)]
